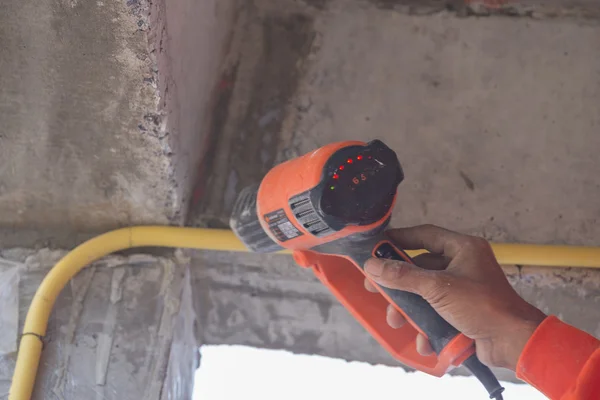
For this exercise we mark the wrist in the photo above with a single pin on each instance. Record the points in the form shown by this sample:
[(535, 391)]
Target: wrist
[(509, 347)]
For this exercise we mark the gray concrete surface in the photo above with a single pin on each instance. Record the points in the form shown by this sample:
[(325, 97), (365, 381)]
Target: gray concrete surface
[(122, 329), (268, 301), (93, 136), (76, 96)]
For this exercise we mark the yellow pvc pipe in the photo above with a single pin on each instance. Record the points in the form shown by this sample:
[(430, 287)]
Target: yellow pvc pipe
[(36, 321), (206, 239)]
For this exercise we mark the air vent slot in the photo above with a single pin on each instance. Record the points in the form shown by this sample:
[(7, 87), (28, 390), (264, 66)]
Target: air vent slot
[(311, 223), (307, 216)]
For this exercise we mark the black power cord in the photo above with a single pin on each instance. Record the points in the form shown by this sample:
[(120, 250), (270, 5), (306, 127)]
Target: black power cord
[(485, 376)]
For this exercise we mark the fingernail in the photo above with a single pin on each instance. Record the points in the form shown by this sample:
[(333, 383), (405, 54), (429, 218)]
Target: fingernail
[(390, 309), (374, 267)]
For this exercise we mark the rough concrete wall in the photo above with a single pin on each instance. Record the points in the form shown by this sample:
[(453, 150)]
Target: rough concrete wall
[(260, 74), (76, 90), (104, 113), (267, 301), (494, 119), (122, 329)]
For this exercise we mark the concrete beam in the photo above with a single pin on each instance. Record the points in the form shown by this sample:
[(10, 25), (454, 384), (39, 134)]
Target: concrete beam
[(493, 118), (79, 146), (104, 108), (267, 301), (122, 329)]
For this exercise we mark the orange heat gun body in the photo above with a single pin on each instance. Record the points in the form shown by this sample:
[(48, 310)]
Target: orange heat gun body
[(331, 207)]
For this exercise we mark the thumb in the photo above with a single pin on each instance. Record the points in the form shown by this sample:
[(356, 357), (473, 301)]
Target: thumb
[(403, 276)]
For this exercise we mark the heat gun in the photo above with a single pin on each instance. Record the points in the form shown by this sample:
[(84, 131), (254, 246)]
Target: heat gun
[(331, 207)]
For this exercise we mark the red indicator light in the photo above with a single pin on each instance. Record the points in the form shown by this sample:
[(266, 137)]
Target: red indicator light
[(359, 157), (370, 157), (341, 167), (335, 176), (349, 161)]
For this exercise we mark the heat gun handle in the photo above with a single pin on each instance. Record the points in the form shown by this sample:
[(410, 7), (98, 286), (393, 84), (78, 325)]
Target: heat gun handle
[(418, 311)]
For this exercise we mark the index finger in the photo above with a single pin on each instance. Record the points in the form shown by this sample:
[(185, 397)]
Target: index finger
[(429, 237)]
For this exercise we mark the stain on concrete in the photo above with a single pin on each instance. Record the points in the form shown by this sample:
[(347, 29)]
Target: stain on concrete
[(415, 6), (266, 62), (285, 41), (318, 4), (468, 182), (204, 179), (535, 9)]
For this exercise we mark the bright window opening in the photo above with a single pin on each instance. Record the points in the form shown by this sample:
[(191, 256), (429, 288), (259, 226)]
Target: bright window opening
[(238, 372)]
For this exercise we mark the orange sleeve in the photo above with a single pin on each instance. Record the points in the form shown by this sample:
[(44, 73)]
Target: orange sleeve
[(561, 361)]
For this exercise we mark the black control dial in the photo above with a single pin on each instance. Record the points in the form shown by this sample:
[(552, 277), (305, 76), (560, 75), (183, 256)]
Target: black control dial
[(359, 185)]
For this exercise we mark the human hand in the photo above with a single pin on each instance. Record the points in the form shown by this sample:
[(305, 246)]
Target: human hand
[(464, 283)]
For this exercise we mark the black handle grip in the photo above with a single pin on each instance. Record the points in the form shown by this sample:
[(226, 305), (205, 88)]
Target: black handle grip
[(362, 247), (439, 332), (437, 329)]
